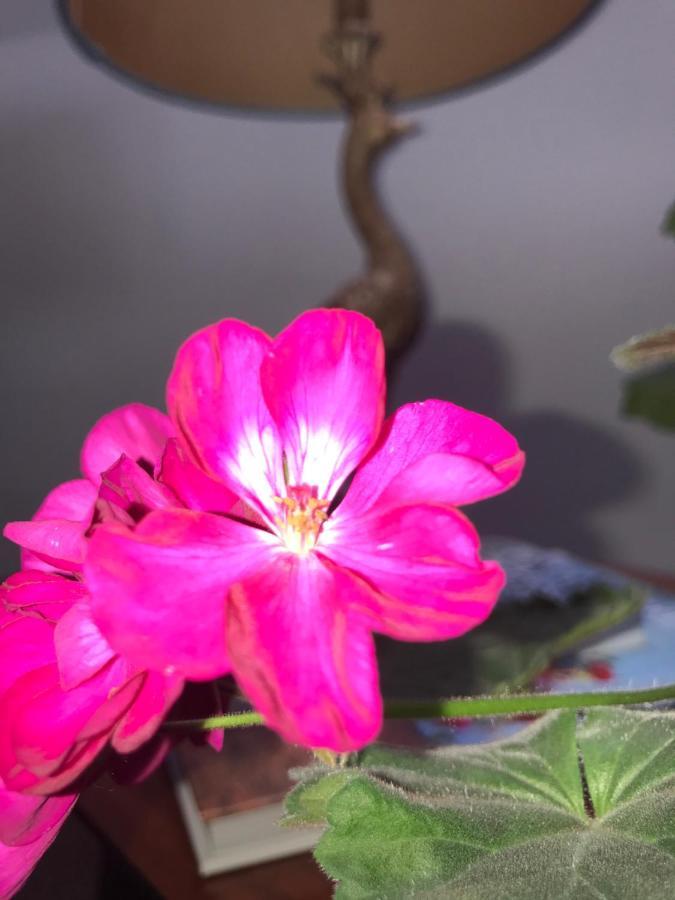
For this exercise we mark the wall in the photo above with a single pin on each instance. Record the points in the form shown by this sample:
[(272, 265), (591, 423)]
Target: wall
[(533, 204)]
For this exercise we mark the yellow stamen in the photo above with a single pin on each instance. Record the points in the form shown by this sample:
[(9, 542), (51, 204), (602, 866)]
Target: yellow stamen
[(302, 515)]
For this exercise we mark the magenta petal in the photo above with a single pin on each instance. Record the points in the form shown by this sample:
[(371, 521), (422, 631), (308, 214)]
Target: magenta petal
[(26, 643), (24, 817), (137, 431), (44, 818), (81, 649), (127, 487), (55, 535), (422, 563), (192, 485), (42, 594), (57, 542), (215, 400), (323, 381), (473, 457), (45, 722), (301, 659), (155, 698), (158, 593)]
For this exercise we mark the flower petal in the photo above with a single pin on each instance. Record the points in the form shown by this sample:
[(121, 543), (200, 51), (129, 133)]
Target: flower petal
[(50, 736), (128, 488), (158, 593), (323, 381), (136, 430), (216, 403), (191, 484), (157, 695), (54, 538), (435, 452), (81, 649), (300, 658), (44, 817), (42, 594), (422, 562), (26, 642), (23, 817)]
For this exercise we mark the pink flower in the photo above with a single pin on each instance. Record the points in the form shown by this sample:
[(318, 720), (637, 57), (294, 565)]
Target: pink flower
[(28, 825), (55, 539), (65, 694), (286, 586)]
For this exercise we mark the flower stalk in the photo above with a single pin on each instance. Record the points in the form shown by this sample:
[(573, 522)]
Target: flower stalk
[(467, 707)]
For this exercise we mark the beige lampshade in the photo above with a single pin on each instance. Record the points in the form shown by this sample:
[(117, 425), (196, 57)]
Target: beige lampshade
[(266, 54)]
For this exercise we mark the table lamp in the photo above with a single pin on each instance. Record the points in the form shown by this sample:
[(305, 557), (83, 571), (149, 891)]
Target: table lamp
[(277, 55)]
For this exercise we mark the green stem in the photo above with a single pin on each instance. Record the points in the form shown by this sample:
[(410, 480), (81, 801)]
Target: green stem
[(467, 707)]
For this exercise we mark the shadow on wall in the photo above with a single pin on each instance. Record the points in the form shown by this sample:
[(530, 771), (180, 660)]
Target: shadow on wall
[(573, 467)]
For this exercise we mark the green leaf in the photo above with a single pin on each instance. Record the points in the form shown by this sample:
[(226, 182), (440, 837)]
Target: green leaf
[(643, 756), (514, 648), (652, 397), (668, 224), (307, 803), (509, 820)]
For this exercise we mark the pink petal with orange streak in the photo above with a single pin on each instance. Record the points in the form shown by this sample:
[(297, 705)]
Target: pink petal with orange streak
[(435, 452), (302, 661), (215, 400), (422, 564), (159, 592)]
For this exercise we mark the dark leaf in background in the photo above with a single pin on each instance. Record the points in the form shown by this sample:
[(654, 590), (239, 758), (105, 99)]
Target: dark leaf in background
[(668, 225), (508, 651), (651, 396)]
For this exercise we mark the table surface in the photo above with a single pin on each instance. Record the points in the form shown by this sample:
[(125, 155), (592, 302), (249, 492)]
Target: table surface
[(144, 822)]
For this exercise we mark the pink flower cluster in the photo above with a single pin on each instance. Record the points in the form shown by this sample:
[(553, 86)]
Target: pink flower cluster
[(265, 528)]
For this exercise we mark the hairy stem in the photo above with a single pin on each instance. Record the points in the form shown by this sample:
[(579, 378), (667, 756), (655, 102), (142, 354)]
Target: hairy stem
[(467, 707)]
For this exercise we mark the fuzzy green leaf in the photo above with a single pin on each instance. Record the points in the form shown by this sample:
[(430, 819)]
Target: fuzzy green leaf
[(509, 820), (307, 803)]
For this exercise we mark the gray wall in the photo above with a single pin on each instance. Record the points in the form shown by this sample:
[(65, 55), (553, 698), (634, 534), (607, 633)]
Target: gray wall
[(534, 206)]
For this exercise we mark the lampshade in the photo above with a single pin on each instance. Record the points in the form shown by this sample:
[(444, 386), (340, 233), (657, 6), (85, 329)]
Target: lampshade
[(267, 54)]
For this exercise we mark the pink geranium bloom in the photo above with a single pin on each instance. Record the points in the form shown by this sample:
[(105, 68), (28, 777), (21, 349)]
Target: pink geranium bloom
[(285, 587), (55, 539), (65, 694), (28, 825)]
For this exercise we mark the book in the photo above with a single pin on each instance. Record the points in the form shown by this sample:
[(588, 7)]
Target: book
[(232, 800)]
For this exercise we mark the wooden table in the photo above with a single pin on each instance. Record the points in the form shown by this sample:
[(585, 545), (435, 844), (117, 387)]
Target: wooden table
[(145, 824)]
